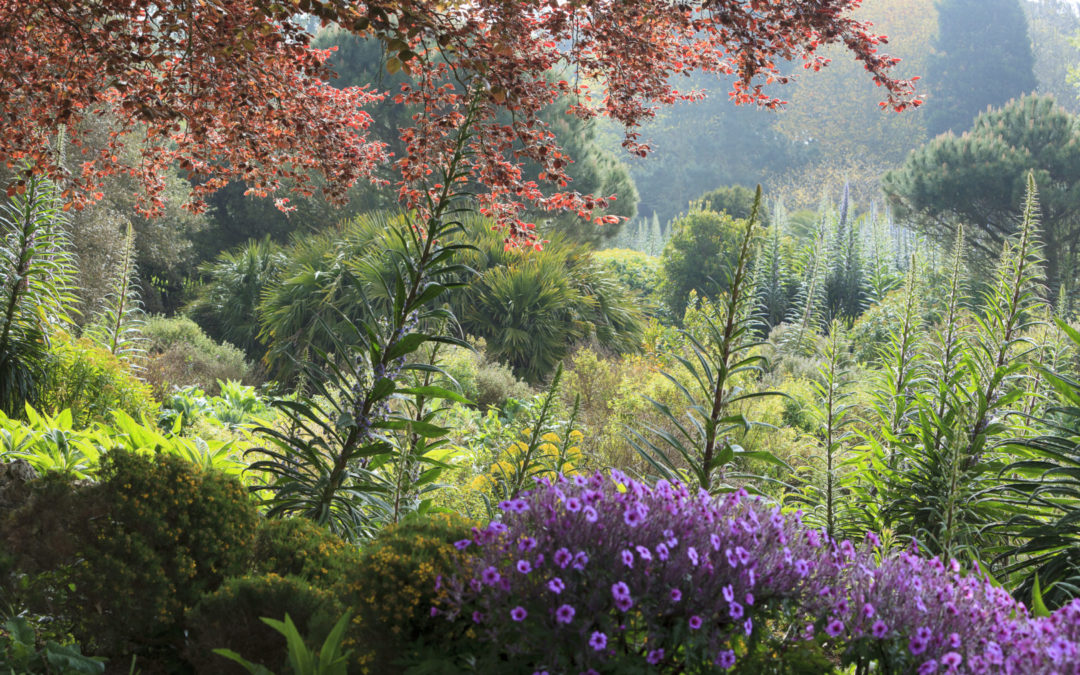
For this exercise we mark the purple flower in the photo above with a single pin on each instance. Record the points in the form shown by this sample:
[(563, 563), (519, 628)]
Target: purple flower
[(598, 640), (490, 576), (729, 593), (928, 667), (802, 568), (627, 558), (916, 645), (726, 659), (867, 610), (620, 590), (564, 614), (655, 656), (624, 604), (563, 557), (743, 555), (581, 559), (462, 544), (952, 661), (518, 613), (732, 560), (692, 554), (573, 505), (556, 585), (643, 553), (879, 629), (477, 617), (676, 595), (695, 622), (527, 544), (834, 627), (524, 566), (735, 610), (632, 517), (590, 514), (662, 551), (748, 626)]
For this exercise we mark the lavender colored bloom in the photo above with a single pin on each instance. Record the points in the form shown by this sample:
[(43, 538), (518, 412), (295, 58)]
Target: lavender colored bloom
[(624, 604), (748, 626), (573, 505), (726, 659), (556, 585), (692, 554), (735, 610), (714, 539), (620, 590), (490, 576), (729, 593), (477, 617), (627, 558), (695, 622), (928, 667), (743, 555), (643, 553), (590, 514), (662, 551), (952, 661), (598, 640), (524, 566), (632, 517), (527, 544), (563, 557), (655, 656), (879, 629), (518, 613), (565, 614), (867, 610), (834, 627), (462, 544), (676, 595), (802, 568), (581, 559)]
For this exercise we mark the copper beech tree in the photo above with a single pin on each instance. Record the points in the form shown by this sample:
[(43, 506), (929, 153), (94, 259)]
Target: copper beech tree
[(232, 89)]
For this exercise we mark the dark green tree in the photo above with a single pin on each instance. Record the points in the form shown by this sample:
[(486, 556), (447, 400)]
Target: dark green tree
[(981, 58), (978, 179), (699, 256)]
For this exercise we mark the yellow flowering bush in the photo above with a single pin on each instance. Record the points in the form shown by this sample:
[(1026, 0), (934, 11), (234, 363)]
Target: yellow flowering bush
[(393, 589), (554, 454)]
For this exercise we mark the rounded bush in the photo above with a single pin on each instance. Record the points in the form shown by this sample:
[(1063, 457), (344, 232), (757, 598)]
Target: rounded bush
[(393, 589), (231, 618), (119, 561), (297, 547)]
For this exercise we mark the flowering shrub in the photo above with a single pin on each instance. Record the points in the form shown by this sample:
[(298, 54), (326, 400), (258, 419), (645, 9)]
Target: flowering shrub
[(590, 575)]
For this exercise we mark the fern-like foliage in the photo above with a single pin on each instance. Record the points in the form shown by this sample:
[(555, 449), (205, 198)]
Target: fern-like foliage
[(118, 327), (36, 288)]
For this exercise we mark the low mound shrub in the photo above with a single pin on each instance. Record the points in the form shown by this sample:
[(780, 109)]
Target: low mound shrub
[(180, 354), (118, 562), (231, 618), (608, 575), (393, 589)]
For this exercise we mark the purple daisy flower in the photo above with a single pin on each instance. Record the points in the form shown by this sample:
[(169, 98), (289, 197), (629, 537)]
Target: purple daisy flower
[(627, 558), (676, 595), (655, 656), (563, 557), (598, 640), (518, 613), (524, 566), (490, 576), (564, 614), (620, 590), (695, 622), (834, 627), (556, 585), (879, 629), (726, 659)]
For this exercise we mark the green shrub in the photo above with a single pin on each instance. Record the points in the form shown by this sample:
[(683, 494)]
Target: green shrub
[(298, 547), (231, 618), (487, 383), (180, 354), (392, 591), (91, 382), (118, 562)]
